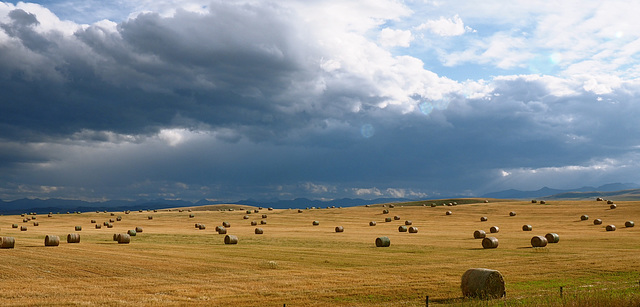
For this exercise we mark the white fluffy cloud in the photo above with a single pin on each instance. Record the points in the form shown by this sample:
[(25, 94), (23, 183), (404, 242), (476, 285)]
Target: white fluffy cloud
[(446, 26), (392, 38)]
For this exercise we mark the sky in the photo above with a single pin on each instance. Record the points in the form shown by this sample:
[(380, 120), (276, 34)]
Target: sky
[(324, 99)]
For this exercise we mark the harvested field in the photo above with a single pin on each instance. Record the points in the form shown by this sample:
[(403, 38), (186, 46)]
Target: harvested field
[(296, 263)]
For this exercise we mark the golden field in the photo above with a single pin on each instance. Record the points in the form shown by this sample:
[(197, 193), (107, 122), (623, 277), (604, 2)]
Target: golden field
[(299, 264)]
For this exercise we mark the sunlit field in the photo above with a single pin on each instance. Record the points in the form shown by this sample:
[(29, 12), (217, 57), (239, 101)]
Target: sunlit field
[(298, 264)]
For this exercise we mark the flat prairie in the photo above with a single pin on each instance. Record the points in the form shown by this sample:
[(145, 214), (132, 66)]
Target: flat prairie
[(296, 263)]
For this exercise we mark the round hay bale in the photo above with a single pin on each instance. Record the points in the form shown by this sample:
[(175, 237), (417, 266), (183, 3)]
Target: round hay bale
[(131, 232), (98, 226), (259, 231), (73, 238), (192, 215), (512, 213), (264, 216), (138, 229), (408, 223), (113, 214), (256, 210), (397, 218), (385, 211), (613, 206), (197, 225), (449, 213), (483, 219), (392, 206), (383, 242), (254, 223), (490, 242), (23, 228), (36, 224), (49, 215), (402, 229), (93, 221), (413, 229), (202, 227), (611, 228), (248, 212), (124, 238), (226, 224), (629, 224), (119, 218), (150, 217), (542, 202), (111, 220), (14, 226), (597, 222), (552, 237), (367, 206), (609, 202), (25, 220), (263, 222), (479, 234), (339, 229), (433, 205), (300, 211), (584, 217), (599, 199), (109, 225), (539, 241), (115, 236), (482, 283), (372, 223), (486, 201), (78, 228), (246, 217), (494, 229), (387, 219), (527, 228), (533, 201), (7, 242), (222, 231), (230, 239), (50, 240), (315, 223), (270, 209)]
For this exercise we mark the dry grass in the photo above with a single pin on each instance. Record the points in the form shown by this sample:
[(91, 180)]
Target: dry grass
[(298, 264)]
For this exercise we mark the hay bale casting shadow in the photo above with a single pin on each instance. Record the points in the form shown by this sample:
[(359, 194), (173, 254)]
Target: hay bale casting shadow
[(482, 283)]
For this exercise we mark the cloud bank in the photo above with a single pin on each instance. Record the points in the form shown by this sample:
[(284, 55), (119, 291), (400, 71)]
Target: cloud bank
[(240, 99)]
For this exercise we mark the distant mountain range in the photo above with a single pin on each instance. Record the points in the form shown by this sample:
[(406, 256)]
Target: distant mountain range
[(27, 205), (619, 191), (611, 189)]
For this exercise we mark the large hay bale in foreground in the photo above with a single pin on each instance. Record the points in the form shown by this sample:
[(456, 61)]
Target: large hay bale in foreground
[(539, 241), (482, 283), (490, 242), (230, 239), (552, 237), (7, 242), (383, 242), (50, 240), (73, 238), (479, 234)]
